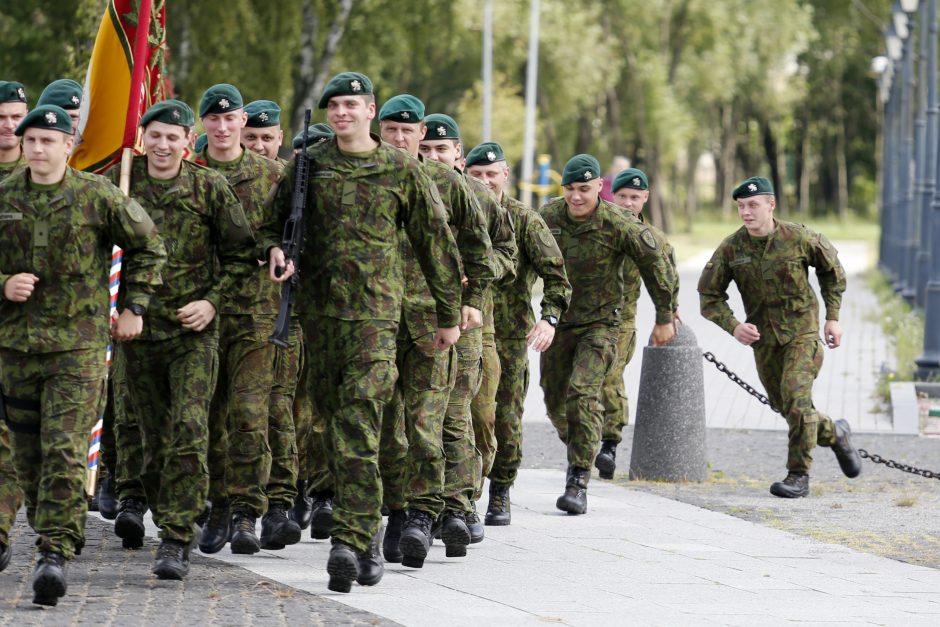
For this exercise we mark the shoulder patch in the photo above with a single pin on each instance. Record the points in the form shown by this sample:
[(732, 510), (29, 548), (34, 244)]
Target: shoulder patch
[(547, 239), (135, 212), (649, 239)]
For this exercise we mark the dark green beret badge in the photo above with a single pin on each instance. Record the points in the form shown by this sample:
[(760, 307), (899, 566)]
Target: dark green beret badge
[(64, 93), (345, 84), (441, 126), (263, 113), (581, 169), (402, 108), (317, 133), (12, 91), (632, 178), (169, 112), (485, 153), (220, 98)]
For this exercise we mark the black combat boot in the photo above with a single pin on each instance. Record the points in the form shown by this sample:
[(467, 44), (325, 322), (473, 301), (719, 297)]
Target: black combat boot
[(129, 524), (342, 566), (497, 512), (277, 530), (244, 540), (108, 505), (321, 519), (371, 566), (302, 511), (396, 520), (218, 528), (454, 533), (849, 459), (6, 552), (574, 500), (415, 538), (474, 524), (172, 560), (794, 486), (49, 578), (606, 460)]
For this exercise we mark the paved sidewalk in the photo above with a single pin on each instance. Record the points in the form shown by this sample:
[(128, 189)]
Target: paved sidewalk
[(844, 388), (635, 559)]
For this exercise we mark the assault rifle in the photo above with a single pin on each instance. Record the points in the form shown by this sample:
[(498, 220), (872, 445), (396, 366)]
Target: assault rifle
[(292, 241)]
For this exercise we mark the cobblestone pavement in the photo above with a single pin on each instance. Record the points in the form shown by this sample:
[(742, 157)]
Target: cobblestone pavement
[(111, 586)]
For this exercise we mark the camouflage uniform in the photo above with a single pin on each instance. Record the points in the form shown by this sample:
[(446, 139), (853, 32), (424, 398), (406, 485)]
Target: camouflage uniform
[(613, 393), (539, 256), (463, 448), (412, 445), (11, 496), (573, 369), (168, 374), (240, 452), (52, 347), (771, 275), (350, 300)]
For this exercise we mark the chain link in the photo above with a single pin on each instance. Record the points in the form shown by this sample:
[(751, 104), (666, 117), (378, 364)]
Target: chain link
[(874, 457)]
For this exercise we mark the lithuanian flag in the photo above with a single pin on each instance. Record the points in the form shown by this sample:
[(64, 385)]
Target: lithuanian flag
[(125, 76)]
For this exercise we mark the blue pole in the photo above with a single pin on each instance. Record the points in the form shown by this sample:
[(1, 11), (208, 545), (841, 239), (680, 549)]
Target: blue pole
[(928, 32)]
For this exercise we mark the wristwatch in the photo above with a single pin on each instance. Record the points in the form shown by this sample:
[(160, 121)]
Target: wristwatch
[(552, 320), (137, 310)]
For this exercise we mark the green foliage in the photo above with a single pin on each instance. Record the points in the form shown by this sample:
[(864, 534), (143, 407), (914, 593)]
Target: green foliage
[(903, 326)]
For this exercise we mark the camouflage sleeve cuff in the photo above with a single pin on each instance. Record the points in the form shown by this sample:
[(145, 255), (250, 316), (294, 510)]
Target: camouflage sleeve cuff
[(663, 316), (729, 324), (832, 313), (473, 296), (550, 310), (3, 282), (215, 298), (447, 317), (135, 298)]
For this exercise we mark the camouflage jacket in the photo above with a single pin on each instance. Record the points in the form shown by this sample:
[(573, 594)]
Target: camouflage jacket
[(539, 256), (468, 226), (65, 237), (771, 274), (210, 248), (9, 167), (594, 251), (352, 266), (503, 235), (632, 280), (252, 177)]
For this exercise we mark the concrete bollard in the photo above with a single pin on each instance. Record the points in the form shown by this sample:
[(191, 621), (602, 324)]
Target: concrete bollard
[(669, 435)]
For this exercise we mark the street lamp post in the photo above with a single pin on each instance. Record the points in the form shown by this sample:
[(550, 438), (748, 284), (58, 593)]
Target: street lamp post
[(905, 187), (928, 364), (928, 34)]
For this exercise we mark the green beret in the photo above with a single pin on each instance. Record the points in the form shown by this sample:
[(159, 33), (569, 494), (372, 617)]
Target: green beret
[(11, 91), (263, 113), (403, 108), (48, 117), (316, 133), (486, 153), (345, 84), (632, 178), (201, 142), (169, 112), (441, 126), (581, 169), (64, 93), (220, 98), (754, 186)]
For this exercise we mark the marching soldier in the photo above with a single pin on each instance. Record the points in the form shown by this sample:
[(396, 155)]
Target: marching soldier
[(463, 483), (253, 458), (413, 467), (516, 328), (167, 376), (362, 191), (57, 226), (630, 190), (768, 261), (13, 109), (595, 237)]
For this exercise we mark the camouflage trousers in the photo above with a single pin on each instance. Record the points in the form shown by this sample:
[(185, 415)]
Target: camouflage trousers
[(510, 403), (462, 462), (352, 376), (107, 453), (11, 496), (483, 411), (52, 401), (573, 371), (239, 452), (302, 410), (787, 373), (282, 430), (614, 393), (315, 454), (412, 453), (168, 386), (128, 447)]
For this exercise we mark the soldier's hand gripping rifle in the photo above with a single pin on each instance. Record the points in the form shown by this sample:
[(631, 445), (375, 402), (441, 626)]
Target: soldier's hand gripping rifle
[(292, 242)]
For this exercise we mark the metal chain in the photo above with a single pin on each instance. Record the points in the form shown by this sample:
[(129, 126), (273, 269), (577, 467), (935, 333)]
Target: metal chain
[(878, 459)]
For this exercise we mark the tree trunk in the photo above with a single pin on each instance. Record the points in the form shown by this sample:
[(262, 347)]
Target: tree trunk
[(775, 159), (806, 156), (310, 74), (842, 172), (726, 163), (691, 188)]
